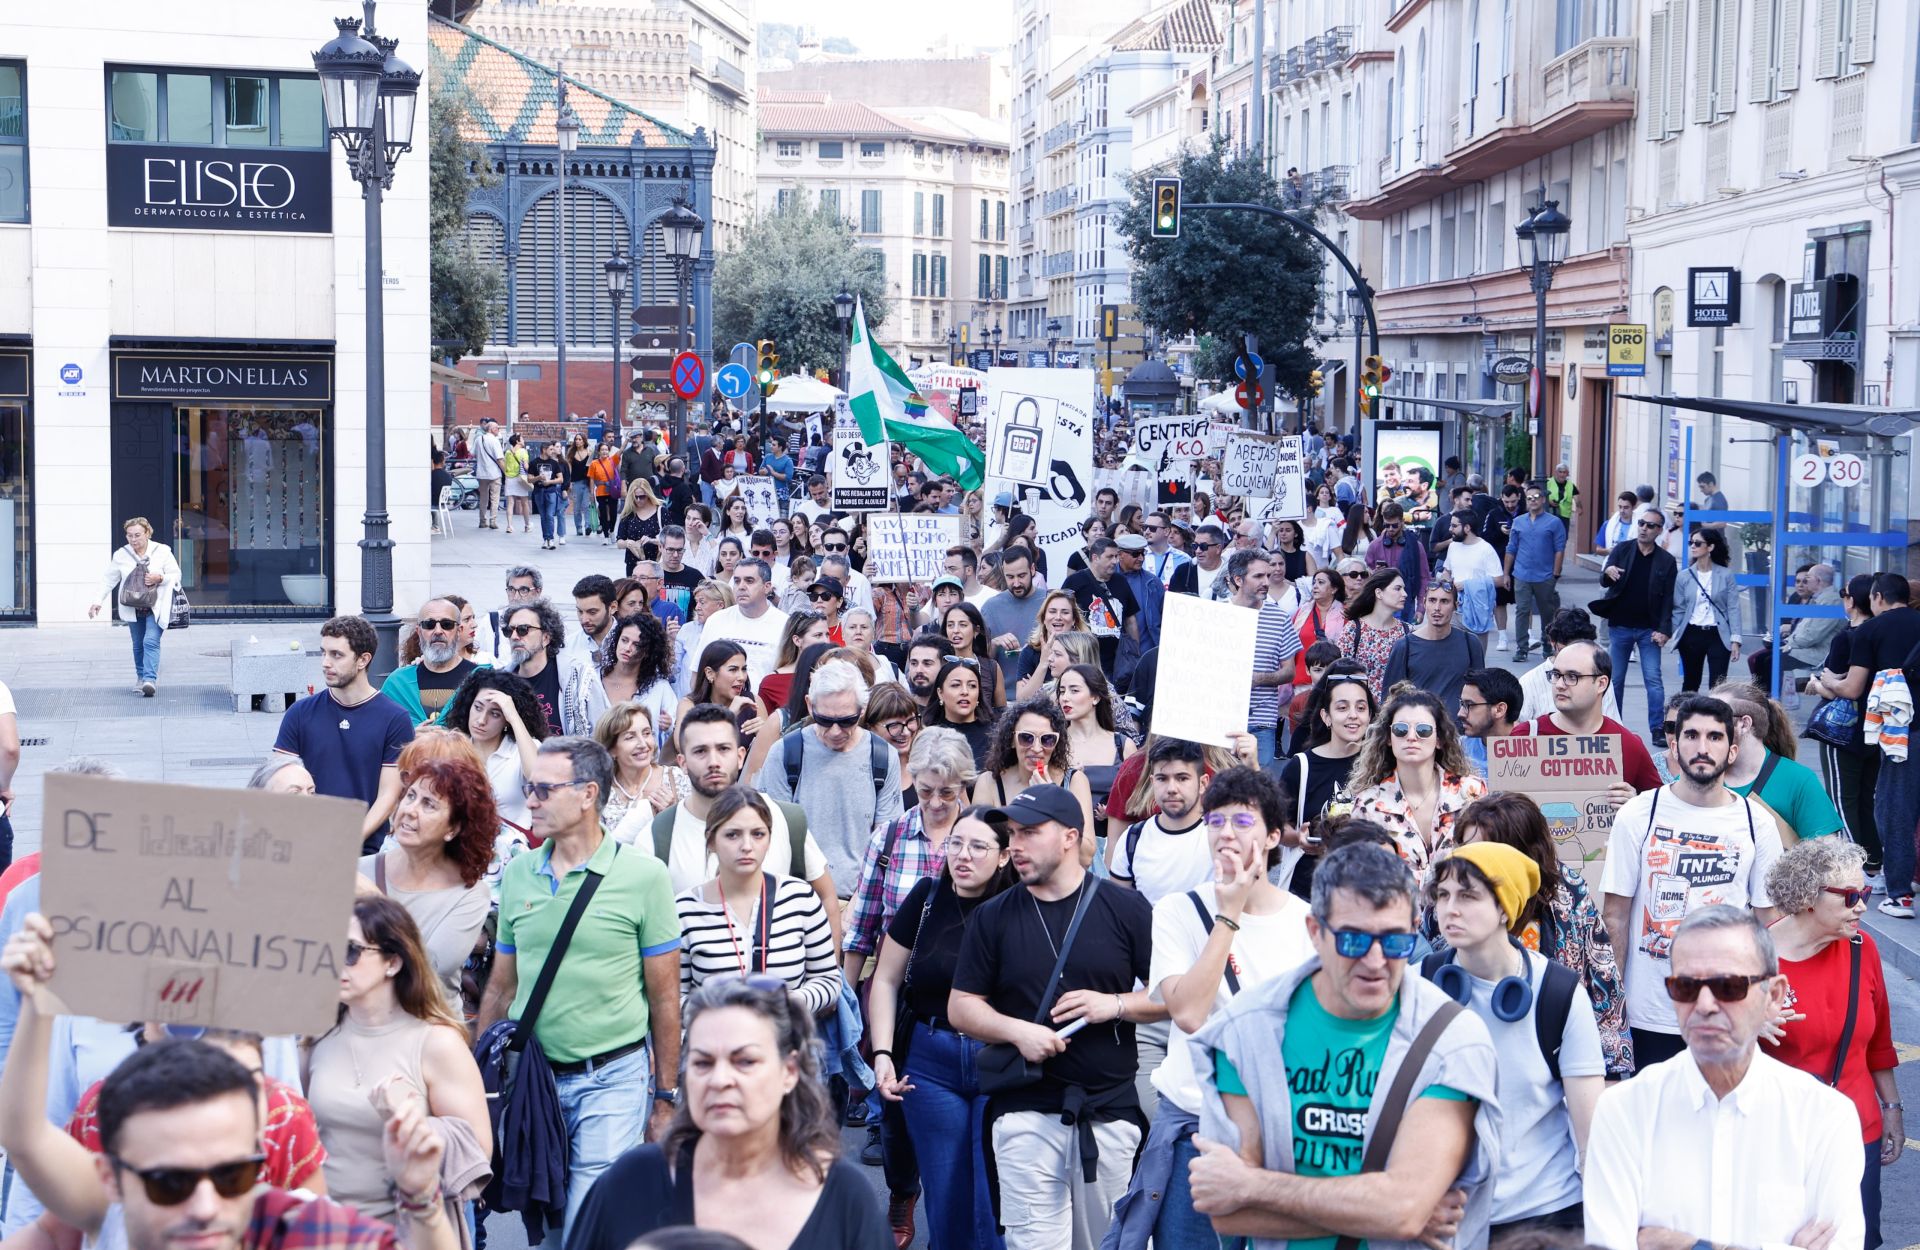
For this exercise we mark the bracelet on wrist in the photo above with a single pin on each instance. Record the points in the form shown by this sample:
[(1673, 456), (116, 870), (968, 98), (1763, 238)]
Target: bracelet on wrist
[(1225, 920), (1889, 1106), (889, 1055), (415, 1204)]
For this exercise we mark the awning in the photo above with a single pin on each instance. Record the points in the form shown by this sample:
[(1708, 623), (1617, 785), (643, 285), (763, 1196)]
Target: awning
[(1478, 409), (463, 386), (1807, 418)]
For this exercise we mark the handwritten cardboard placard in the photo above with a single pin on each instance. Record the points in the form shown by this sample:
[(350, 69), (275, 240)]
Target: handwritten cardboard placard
[(909, 546), (1249, 466), (859, 482), (1205, 682), (1160, 439), (1568, 776), (195, 905)]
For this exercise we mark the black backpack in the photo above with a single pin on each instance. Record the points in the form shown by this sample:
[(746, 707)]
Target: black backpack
[(793, 749), (1550, 1012)]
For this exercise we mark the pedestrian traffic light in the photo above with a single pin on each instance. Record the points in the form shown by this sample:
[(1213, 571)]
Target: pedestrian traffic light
[(1315, 381), (769, 366), (1373, 379), (1166, 208)]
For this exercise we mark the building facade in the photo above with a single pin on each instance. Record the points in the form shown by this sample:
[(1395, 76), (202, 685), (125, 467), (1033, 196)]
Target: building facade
[(926, 187), (182, 333)]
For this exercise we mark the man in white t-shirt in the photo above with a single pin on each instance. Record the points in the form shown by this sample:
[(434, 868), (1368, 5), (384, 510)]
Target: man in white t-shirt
[(814, 506), (1167, 853), (1210, 943), (1673, 851), (752, 621), (1474, 567)]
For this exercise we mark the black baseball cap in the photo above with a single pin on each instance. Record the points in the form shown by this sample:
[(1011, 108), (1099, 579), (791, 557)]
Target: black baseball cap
[(1036, 805)]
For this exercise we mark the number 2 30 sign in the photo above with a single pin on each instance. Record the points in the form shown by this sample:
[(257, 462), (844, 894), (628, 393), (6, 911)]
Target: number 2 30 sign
[(1843, 471)]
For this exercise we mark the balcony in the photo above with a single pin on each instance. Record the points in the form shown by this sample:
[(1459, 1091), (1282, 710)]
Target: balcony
[(1057, 138), (1596, 76), (1331, 182), (1060, 200), (730, 77), (1057, 263), (1336, 46), (1026, 236), (1026, 176)]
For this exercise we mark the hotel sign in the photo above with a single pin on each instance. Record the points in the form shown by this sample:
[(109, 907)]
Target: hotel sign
[(161, 186), (297, 380)]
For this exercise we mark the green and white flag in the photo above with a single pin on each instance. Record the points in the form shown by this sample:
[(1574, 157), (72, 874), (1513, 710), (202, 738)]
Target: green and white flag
[(889, 409)]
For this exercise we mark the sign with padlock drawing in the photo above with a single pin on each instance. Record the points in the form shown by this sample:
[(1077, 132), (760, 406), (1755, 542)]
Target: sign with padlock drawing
[(1020, 428)]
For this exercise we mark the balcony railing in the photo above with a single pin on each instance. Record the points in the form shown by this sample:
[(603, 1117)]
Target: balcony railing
[(1336, 45), (1057, 138), (730, 76), (1057, 201), (1056, 264), (1599, 71), (1332, 182)]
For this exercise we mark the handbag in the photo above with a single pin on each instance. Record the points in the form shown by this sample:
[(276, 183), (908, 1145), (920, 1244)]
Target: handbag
[(1000, 1067), (1836, 723), (134, 591), (180, 615)]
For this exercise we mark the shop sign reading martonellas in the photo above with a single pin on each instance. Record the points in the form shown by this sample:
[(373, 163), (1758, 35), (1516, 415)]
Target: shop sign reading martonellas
[(165, 186), (223, 378)]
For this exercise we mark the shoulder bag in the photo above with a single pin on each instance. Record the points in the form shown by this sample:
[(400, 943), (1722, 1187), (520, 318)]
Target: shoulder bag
[(180, 614), (1853, 1010), (1399, 1095), (134, 591), (550, 968), (1000, 1067), (1836, 723)]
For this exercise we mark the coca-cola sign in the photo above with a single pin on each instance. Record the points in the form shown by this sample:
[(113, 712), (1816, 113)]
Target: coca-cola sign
[(162, 186)]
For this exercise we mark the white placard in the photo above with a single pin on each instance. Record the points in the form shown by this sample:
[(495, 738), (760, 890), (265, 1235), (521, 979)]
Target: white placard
[(1250, 464), (1290, 481), (763, 499), (859, 475), (1062, 501), (909, 546), (1157, 440), (1217, 434), (1205, 681), (1020, 428)]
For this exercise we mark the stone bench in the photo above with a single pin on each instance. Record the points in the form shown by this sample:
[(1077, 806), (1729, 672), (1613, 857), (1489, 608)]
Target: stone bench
[(268, 674)]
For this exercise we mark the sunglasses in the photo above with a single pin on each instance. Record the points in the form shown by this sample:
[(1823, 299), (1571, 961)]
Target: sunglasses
[(1852, 898), (438, 623), (1046, 742), (820, 593), (1351, 574), (1651, 525), (521, 631), (836, 722), (1355, 943), (1401, 729), (1730, 988), (831, 548), (169, 1187), (354, 951), (1204, 546), (543, 790), (963, 661)]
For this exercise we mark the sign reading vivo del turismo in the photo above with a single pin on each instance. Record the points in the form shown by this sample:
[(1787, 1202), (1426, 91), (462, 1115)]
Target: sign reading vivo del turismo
[(223, 378), (203, 188)]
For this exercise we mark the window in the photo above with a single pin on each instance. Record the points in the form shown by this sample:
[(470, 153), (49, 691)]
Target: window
[(1000, 222), (939, 216), (832, 150), (1666, 72), (937, 286), (783, 199), (869, 212), (1773, 57), (919, 273), (788, 149), (919, 212), (873, 149), (13, 141), (212, 109), (1845, 35), (984, 218), (983, 288), (830, 202), (999, 277), (1715, 22)]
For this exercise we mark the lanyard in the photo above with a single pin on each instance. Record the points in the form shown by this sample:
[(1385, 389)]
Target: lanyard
[(760, 950)]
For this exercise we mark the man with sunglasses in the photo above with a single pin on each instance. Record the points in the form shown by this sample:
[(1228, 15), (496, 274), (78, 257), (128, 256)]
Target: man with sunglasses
[(1298, 1070), (1581, 675), (1675, 850), (1638, 602), (1397, 547), (524, 584), (424, 686), (1163, 561), (1200, 575), (1724, 1145), (1536, 548)]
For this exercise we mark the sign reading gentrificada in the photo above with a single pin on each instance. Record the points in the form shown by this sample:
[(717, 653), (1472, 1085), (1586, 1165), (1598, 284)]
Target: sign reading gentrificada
[(231, 379), (201, 188)]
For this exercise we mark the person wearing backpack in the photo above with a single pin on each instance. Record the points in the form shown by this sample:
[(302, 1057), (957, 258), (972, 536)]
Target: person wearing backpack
[(845, 777), (1209, 944), (1551, 1068), (142, 580)]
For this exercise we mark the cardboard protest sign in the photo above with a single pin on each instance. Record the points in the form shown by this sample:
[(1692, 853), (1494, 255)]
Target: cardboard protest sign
[(859, 474), (1249, 465), (195, 905), (1205, 681), (1159, 439), (1173, 486), (1568, 776), (1217, 434), (908, 546), (1061, 499), (1134, 486), (1020, 429)]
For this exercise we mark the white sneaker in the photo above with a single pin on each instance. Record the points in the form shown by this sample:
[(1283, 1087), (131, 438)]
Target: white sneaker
[(562, 541), (1503, 643), (146, 691), (1899, 906)]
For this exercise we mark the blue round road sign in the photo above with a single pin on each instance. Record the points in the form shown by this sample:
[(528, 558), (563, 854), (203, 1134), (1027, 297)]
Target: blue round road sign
[(733, 381)]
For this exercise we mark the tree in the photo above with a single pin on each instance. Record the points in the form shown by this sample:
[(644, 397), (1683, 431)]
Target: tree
[(1228, 274), (779, 282), (467, 292)]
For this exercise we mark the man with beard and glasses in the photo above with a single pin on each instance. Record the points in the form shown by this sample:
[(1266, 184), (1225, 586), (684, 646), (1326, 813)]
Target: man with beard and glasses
[(349, 735), (924, 657), (523, 586), (1675, 850), (424, 686), (564, 681)]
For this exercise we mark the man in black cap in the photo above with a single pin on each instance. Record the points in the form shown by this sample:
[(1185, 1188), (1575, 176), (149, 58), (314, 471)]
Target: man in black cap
[(1083, 1106)]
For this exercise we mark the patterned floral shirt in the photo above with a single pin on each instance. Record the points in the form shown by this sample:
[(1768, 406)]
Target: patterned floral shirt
[(1386, 804), (1371, 647), (1578, 939)]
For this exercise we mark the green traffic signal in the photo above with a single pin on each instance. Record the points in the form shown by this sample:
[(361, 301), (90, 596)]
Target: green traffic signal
[(1166, 208)]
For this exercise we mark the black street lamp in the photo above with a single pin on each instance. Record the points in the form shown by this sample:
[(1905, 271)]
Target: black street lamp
[(1543, 236), (953, 345), (368, 96), (843, 313), (680, 230), (994, 334), (1356, 313), (567, 130), (617, 267), (1053, 342)]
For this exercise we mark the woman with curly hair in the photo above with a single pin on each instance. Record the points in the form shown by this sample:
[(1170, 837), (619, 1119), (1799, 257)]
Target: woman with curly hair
[(1030, 747), (1059, 614), (435, 862), (1413, 777), (499, 712), (639, 669), (966, 632), (1561, 920)]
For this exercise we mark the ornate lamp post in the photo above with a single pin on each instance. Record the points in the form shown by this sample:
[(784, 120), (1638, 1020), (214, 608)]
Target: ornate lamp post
[(1543, 246), (843, 313), (680, 229), (567, 129), (616, 268)]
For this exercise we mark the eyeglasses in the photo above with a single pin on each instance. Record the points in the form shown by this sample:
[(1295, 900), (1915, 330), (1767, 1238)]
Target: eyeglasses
[(1351, 574), (1355, 943), (440, 622), (964, 848), (1204, 546), (1046, 742), (1652, 524), (1852, 898), (818, 593), (1669, 727), (1239, 820), (357, 949), (521, 631), (523, 590), (836, 722), (1473, 703), (1727, 988), (894, 728), (543, 790), (1696, 542), (1560, 676), (169, 1187), (1401, 729)]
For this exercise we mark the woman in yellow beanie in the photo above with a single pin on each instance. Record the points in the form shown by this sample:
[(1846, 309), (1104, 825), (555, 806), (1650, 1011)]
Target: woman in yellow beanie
[(1550, 1063)]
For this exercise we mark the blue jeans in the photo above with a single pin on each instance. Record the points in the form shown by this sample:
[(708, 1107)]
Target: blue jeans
[(606, 1112), (1263, 739), (550, 503), (581, 495), (1180, 1227), (1620, 646), (1896, 808), (146, 632), (946, 1113)]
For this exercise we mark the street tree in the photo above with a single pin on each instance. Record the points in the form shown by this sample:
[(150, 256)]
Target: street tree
[(468, 294), (779, 281), (1228, 274)]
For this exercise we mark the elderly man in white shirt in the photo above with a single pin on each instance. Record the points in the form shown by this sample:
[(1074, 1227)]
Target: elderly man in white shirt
[(1722, 1145)]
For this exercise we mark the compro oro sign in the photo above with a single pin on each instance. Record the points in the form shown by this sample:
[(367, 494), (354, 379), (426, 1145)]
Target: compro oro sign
[(195, 188)]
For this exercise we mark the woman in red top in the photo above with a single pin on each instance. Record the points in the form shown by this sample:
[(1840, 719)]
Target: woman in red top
[(1323, 616), (1820, 888)]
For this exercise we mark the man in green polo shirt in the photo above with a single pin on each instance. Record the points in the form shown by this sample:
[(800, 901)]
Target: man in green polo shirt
[(596, 1022)]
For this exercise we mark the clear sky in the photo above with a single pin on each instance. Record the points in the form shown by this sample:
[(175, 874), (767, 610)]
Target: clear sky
[(891, 28)]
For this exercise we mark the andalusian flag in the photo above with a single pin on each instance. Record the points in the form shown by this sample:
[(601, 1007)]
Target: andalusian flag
[(890, 410)]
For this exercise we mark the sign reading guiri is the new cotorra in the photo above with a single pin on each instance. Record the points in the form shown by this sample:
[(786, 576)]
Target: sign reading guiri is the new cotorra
[(199, 188)]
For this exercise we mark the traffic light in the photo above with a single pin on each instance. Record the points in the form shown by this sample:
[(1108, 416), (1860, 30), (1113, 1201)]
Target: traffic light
[(1373, 379), (769, 366), (1315, 381), (1166, 208)]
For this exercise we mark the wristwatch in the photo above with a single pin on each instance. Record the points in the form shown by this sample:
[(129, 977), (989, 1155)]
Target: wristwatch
[(669, 1096)]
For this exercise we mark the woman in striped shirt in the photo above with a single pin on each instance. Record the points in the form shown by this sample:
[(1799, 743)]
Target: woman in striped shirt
[(748, 921)]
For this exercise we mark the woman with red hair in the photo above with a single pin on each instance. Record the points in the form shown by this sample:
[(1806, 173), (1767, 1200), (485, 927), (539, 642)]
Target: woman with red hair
[(434, 862)]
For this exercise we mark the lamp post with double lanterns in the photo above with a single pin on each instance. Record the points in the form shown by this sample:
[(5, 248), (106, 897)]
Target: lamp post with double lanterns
[(843, 313), (368, 95), (617, 268), (1543, 246), (680, 230)]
